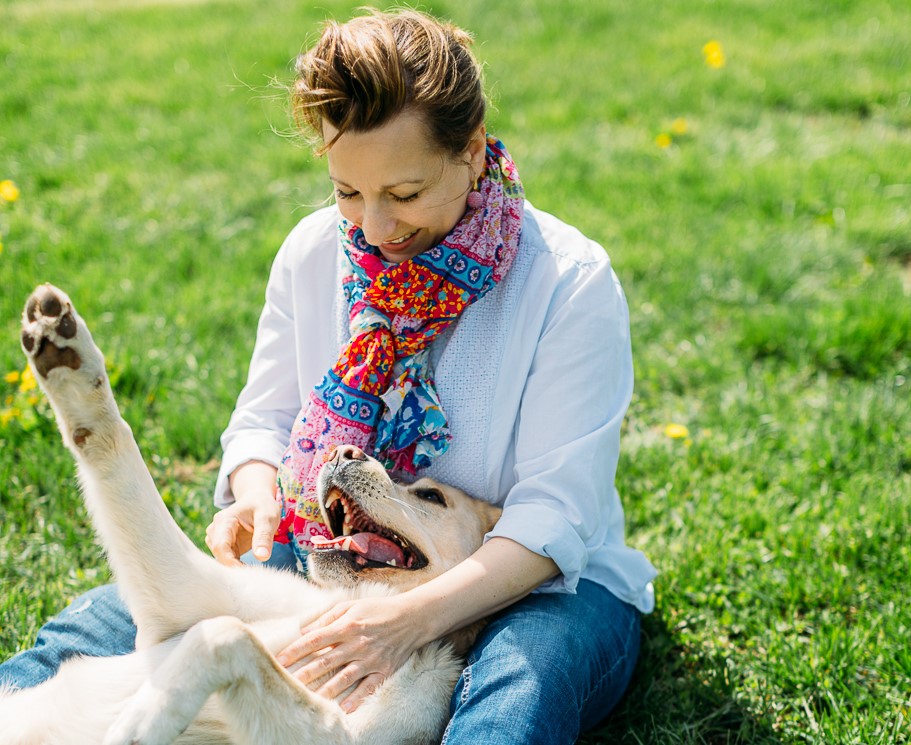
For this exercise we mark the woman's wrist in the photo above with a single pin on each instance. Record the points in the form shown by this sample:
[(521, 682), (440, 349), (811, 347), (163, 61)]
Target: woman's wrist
[(500, 573), (253, 482)]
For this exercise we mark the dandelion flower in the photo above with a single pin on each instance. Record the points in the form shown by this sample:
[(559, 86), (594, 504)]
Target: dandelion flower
[(12, 377), (27, 382), (8, 415), (676, 431), (9, 192), (713, 54), (663, 140), (679, 126)]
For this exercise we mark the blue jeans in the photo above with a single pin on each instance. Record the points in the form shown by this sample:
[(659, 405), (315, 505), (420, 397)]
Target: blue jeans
[(542, 671)]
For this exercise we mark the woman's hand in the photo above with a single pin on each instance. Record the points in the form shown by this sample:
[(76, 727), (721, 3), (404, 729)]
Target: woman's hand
[(361, 642), (251, 521)]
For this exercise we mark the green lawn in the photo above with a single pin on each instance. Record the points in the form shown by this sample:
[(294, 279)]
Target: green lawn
[(757, 212)]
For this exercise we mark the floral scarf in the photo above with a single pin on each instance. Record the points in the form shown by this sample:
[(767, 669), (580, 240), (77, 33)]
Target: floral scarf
[(380, 395)]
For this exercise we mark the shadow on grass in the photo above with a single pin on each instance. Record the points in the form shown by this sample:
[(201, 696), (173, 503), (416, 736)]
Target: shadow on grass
[(673, 700)]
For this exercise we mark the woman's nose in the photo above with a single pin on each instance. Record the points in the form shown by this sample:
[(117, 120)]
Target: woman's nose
[(378, 225)]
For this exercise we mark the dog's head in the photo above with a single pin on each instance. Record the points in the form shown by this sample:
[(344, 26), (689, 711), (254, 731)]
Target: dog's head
[(396, 534)]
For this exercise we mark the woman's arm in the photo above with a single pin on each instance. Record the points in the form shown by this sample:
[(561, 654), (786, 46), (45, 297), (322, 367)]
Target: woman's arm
[(296, 342), (367, 640)]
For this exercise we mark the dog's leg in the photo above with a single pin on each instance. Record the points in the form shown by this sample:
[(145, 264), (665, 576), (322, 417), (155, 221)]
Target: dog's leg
[(259, 701), (410, 707), (166, 582)]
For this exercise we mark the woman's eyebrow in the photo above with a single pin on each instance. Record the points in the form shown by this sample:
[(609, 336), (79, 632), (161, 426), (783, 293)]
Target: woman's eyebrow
[(404, 182)]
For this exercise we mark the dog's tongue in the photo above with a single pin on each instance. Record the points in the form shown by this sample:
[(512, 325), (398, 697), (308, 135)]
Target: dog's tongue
[(369, 545)]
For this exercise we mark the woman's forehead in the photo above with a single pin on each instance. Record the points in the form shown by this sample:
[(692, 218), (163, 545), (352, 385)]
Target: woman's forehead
[(400, 153)]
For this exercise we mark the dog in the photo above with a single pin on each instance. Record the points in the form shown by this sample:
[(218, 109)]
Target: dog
[(204, 670)]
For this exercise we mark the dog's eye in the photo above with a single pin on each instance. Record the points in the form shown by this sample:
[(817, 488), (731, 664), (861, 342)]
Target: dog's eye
[(431, 495)]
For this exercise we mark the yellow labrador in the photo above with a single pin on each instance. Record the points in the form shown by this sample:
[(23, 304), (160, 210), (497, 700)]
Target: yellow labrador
[(204, 670)]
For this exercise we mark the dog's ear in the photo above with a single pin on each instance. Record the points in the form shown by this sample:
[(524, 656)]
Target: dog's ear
[(462, 640), (489, 515)]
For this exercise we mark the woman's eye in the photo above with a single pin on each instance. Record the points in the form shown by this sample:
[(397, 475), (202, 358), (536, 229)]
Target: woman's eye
[(409, 198), (345, 194), (431, 495)]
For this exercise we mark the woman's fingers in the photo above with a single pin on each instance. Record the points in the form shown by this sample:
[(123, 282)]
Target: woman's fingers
[(222, 538), (318, 665), (315, 637), (240, 527), (367, 687), (356, 645), (251, 521)]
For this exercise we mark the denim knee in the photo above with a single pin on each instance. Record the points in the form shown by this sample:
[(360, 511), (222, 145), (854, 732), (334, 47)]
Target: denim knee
[(96, 624), (546, 668)]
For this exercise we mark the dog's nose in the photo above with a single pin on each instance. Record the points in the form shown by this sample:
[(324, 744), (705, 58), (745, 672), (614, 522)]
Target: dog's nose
[(348, 452)]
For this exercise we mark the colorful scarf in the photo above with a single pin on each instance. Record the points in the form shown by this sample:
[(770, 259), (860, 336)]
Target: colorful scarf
[(380, 395)]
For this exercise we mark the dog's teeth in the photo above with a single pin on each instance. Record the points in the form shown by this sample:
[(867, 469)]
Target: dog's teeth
[(346, 544), (392, 563)]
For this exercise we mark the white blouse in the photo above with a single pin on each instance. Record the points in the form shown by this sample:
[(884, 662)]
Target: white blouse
[(535, 379)]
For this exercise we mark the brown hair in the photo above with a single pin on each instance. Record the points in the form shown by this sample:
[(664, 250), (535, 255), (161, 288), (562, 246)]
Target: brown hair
[(362, 73)]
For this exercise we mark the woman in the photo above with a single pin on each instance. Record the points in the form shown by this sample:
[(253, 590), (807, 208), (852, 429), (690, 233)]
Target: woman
[(488, 346)]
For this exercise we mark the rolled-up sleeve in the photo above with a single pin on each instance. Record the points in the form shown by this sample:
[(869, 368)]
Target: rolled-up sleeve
[(261, 422), (563, 503), (295, 344)]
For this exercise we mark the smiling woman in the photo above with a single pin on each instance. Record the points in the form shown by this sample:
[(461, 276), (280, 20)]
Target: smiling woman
[(422, 193), (438, 321)]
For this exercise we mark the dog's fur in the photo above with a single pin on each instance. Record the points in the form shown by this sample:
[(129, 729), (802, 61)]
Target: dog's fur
[(204, 671)]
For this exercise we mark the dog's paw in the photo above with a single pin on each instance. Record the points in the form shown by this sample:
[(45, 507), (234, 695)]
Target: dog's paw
[(53, 335), (145, 721), (67, 364)]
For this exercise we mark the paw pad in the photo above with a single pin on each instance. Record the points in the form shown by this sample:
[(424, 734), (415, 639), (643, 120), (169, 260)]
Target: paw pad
[(50, 315), (28, 342), (50, 356), (45, 300)]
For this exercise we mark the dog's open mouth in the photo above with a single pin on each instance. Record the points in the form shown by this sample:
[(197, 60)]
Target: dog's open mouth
[(367, 543)]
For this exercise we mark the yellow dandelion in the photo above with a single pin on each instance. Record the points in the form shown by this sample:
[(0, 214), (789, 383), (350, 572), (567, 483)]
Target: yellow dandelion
[(33, 400), (9, 192), (9, 400), (663, 140), (12, 377), (676, 431), (679, 126), (713, 54), (8, 415), (1, 248), (27, 382)]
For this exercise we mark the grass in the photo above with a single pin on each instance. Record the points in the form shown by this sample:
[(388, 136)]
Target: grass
[(766, 254)]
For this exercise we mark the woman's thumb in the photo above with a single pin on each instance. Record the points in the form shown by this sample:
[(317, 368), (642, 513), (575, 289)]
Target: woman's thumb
[(265, 523)]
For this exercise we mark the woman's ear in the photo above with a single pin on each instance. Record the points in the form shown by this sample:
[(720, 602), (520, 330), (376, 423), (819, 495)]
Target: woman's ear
[(477, 150)]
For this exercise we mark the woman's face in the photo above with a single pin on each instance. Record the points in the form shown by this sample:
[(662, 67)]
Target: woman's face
[(403, 192)]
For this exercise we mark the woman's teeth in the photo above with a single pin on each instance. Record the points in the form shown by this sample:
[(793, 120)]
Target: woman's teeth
[(403, 238)]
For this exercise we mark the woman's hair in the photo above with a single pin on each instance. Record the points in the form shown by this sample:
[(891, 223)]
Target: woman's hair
[(362, 73)]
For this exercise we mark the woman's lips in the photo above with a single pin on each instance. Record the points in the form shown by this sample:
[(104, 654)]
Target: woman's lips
[(398, 247)]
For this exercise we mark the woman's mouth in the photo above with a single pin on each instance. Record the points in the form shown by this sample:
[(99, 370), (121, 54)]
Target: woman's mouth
[(399, 244)]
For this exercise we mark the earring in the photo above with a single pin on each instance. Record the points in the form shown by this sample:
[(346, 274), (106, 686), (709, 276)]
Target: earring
[(475, 199)]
